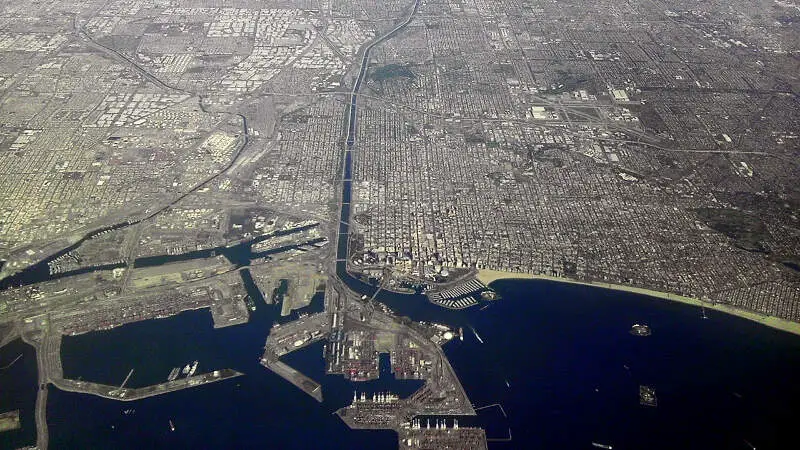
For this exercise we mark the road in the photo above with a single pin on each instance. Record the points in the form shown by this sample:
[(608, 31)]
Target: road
[(130, 394), (42, 435)]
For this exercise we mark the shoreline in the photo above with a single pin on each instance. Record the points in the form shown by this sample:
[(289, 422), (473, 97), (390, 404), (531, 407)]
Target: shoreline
[(487, 276)]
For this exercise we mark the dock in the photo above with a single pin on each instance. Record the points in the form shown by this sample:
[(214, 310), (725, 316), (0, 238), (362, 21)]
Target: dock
[(297, 334), (229, 311), (293, 376), (439, 435)]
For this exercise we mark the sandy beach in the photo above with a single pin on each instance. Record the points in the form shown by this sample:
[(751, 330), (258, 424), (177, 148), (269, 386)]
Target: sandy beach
[(486, 276)]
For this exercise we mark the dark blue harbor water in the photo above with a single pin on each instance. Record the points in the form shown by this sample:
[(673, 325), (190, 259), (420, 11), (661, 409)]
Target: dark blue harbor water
[(574, 371), (572, 368), (18, 379), (254, 411)]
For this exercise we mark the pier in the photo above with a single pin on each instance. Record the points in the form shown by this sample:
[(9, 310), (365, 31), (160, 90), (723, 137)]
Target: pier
[(439, 435), (291, 337), (125, 381), (297, 335), (131, 394), (293, 376)]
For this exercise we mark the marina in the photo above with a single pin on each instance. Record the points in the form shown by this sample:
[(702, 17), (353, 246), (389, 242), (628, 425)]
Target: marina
[(460, 296)]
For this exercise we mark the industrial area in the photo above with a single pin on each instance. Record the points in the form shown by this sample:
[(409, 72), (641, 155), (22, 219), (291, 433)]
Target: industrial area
[(358, 330)]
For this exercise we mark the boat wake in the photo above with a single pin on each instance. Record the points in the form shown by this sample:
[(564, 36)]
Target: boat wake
[(477, 336)]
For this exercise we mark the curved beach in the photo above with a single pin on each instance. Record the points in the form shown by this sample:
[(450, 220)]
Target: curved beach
[(487, 276)]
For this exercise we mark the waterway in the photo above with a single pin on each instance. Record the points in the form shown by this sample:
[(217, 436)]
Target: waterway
[(239, 254), (18, 379), (557, 357), (256, 410)]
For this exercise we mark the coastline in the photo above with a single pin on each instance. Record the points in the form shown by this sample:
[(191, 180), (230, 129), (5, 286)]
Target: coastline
[(487, 276)]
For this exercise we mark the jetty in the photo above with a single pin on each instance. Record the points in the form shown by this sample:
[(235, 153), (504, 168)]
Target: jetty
[(295, 377), (130, 394)]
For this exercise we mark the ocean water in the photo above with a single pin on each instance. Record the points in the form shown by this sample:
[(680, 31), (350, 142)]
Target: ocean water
[(18, 391), (557, 357), (574, 371)]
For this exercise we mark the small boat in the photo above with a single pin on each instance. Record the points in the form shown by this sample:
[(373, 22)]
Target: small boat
[(171, 425), (508, 384), (605, 446), (477, 336)]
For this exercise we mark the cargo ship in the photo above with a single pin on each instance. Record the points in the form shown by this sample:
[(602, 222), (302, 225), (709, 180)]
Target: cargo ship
[(174, 373), (251, 305), (193, 369)]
